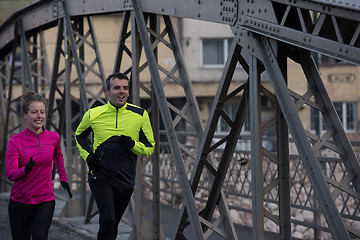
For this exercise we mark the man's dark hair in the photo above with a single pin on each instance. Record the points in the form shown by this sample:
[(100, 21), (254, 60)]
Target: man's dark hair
[(112, 76)]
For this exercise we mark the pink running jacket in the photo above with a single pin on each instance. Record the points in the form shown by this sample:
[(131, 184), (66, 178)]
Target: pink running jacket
[(45, 149)]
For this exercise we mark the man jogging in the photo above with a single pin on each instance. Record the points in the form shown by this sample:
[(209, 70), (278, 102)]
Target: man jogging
[(120, 132)]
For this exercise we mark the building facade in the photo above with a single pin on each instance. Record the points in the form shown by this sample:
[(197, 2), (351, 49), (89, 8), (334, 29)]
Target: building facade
[(205, 49)]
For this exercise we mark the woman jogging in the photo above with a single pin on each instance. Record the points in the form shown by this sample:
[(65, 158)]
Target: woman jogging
[(29, 161)]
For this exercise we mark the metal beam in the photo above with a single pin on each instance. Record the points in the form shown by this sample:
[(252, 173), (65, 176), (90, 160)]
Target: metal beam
[(255, 16), (156, 80), (256, 153), (328, 206)]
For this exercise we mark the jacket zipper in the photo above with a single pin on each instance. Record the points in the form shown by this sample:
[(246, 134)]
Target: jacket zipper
[(38, 138), (116, 117)]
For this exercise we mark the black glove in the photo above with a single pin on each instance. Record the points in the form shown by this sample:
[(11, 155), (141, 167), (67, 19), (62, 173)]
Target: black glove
[(93, 160), (127, 141), (29, 166), (66, 186)]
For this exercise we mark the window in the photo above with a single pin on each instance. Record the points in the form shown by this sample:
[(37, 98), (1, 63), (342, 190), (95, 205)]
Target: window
[(230, 110), (17, 68), (215, 51), (244, 143), (223, 128), (347, 114)]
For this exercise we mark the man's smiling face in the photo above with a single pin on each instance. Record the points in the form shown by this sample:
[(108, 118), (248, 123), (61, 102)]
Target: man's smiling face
[(119, 91)]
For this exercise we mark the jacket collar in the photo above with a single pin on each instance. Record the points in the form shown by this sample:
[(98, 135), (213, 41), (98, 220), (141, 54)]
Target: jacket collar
[(31, 132), (112, 107)]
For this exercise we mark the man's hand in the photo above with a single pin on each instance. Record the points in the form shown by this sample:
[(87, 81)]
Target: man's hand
[(29, 166), (127, 141), (66, 186), (93, 160)]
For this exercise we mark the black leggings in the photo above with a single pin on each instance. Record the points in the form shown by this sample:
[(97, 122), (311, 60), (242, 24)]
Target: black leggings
[(112, 203), (30, 220)]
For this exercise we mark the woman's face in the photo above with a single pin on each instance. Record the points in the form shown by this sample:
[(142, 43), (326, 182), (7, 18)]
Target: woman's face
[(35, 117)]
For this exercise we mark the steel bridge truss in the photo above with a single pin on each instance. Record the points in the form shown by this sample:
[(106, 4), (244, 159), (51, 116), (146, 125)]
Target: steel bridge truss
[(270, 33)]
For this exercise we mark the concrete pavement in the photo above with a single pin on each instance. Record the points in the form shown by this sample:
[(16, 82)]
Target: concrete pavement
[(62, 227), (76, 226)]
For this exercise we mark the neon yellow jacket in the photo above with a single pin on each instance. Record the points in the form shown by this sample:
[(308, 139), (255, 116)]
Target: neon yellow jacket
[(107, 123)]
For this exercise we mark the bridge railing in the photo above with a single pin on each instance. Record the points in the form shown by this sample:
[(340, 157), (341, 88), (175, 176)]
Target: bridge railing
[(305, 211)]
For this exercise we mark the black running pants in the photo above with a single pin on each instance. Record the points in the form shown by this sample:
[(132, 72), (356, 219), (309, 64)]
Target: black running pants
[(30, 220), (112, 203)]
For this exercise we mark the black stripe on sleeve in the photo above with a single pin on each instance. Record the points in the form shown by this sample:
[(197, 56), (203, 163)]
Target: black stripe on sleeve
[(82, 139), (144, 140)]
